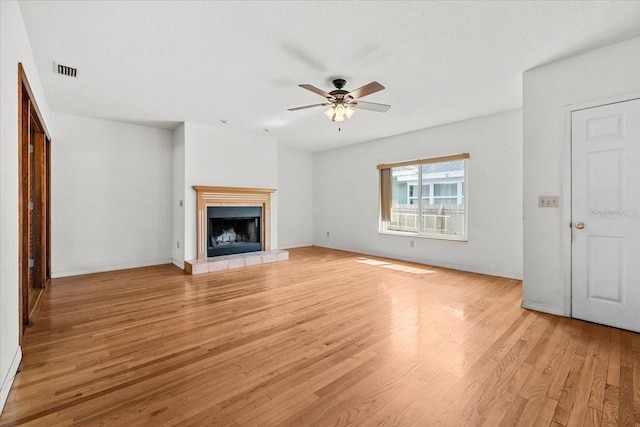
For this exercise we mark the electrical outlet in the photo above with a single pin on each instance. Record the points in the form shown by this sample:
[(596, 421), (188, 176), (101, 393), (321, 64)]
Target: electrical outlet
[(327, 234), (178, 243), (412, 243), (181, 203), (548, 201)]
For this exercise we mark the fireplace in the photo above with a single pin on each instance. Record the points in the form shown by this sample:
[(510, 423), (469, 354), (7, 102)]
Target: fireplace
[(233, 230), (256, 200)]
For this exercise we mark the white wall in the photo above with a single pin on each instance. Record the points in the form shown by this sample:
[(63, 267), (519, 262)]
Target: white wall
[(346, 187), (550, 93), (14, 48), (111, 195), (295, 197), (178, 175), (227, 158)]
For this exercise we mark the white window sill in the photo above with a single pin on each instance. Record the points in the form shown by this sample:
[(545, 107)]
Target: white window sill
[(426, 236)]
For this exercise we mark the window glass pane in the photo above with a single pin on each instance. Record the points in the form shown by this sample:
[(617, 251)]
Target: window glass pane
[(404, 199), (443, 213)]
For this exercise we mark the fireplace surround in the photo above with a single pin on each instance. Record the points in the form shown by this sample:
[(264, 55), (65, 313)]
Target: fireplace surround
[(233, 197)]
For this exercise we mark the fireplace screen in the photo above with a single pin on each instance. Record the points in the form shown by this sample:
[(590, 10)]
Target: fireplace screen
[(233, 230)]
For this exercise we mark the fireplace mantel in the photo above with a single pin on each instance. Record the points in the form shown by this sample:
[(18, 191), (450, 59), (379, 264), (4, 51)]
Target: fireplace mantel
[(230, 196)]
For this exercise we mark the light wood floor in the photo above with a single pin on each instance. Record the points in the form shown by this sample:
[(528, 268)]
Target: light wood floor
[(327, 338)]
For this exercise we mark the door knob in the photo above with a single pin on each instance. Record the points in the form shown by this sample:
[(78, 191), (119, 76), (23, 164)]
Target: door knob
[(580, 225)]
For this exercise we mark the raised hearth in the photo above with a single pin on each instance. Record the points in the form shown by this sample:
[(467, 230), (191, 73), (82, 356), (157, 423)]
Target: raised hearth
[(228, 262)]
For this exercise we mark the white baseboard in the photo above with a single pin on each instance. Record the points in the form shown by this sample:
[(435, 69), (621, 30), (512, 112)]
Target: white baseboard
[(178, 263), (301, 245), (102, 269), (558, 311), (7, 381), (452, 266)]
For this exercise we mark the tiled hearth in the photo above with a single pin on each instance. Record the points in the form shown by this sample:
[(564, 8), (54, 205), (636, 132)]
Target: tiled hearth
[(227, 262), (232, 197)]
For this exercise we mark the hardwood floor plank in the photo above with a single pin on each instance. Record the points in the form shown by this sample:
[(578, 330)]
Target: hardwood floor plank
[(466, 388), (613, 372), (546, 410), (564, 366), (610, 406), (566, 400), (540, 408), (594, 418), (626, 406), (534, 342), (596, 397), (580, 405), (326, 338), (514, 413), (508, 395), (539, 381)]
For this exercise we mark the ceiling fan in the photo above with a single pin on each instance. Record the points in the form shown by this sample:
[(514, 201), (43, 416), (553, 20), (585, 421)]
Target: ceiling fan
[(342, 104)]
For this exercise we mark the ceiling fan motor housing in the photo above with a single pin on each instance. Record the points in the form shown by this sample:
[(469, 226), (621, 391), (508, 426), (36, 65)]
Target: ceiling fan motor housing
[(338, 94), (339, 83)]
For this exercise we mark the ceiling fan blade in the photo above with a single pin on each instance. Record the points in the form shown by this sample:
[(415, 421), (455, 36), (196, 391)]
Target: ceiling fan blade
[(308, 106), (365, 90), (316, 90), (372, 106)]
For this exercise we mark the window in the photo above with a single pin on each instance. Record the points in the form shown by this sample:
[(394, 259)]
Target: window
[(425, 197)]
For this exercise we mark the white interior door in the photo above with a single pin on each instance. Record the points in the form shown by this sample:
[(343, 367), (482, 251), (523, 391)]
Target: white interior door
[(606, 214)]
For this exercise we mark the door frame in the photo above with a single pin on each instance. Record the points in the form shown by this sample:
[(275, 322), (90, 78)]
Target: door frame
[(567, 187), (27, 111)]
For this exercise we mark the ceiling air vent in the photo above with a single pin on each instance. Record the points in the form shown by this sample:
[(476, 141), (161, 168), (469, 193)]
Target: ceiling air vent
[(65, 71)]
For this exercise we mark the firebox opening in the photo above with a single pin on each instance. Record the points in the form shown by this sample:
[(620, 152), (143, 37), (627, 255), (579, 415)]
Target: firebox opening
[(233, 230)]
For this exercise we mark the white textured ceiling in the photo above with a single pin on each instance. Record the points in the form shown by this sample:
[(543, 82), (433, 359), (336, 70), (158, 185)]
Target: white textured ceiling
[(164, 62)]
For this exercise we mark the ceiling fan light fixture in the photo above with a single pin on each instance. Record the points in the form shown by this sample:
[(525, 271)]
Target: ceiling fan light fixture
[(330, 113), (339, 113), (349, 112)]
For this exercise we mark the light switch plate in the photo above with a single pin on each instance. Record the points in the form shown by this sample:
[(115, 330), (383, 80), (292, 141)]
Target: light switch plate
[(548, 201)]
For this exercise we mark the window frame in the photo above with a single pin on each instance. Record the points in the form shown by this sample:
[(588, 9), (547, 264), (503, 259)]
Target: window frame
[(461, 194)]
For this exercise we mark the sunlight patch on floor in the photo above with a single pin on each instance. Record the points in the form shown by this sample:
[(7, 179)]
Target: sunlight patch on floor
[(392, 266)]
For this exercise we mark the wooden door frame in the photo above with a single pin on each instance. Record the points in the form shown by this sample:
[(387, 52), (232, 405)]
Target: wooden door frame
[(28, 111)]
